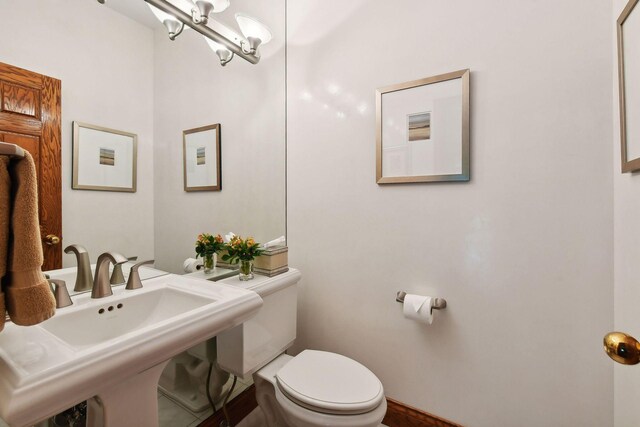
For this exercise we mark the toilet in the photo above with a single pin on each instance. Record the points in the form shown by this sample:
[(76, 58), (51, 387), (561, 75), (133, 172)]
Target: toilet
[(314, 388)]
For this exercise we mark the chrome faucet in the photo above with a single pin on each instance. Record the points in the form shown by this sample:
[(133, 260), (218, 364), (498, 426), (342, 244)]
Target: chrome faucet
[(101, 286), (84, 281)]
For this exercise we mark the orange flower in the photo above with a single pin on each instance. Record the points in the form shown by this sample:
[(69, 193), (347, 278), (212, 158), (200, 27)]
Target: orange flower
[(218, 238)]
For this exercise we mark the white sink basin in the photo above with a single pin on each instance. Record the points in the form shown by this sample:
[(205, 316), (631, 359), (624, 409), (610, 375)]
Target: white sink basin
[(113, 348), (119, 316)]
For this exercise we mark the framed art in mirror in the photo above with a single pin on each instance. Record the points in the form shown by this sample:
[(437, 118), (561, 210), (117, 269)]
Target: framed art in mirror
[(202, 162), (629, 86), (103, 159), (422, 130)]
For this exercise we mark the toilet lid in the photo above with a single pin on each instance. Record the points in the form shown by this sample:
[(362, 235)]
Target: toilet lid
[(330, 383)]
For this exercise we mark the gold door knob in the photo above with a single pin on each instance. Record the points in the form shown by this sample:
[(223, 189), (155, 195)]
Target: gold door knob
[(622, 348), (51, 240)]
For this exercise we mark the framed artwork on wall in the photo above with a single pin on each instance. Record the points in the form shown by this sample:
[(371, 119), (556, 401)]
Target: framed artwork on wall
[(629, 86), (104, 159), (202, 159), (422, 130)]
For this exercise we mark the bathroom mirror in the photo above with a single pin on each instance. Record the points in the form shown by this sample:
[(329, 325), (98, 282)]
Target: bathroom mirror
[(120, 70), (629, 85)]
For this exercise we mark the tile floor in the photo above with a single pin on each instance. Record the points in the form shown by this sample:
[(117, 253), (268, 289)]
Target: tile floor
[(256, 419), (172, 414)]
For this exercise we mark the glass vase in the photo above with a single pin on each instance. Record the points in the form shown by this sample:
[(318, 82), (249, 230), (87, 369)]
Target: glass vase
[(246, 270), (209, 263)]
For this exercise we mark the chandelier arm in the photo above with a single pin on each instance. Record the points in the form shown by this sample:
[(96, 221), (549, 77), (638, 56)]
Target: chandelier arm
[(224, 62), (186, 19), (174, 34), (195, 16)]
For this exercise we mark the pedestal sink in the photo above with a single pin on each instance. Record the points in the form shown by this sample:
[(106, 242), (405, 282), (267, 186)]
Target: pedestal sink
[(112, 350)]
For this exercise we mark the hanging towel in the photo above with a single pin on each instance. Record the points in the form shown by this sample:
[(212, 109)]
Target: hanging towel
[(5, 192), (29, 299)]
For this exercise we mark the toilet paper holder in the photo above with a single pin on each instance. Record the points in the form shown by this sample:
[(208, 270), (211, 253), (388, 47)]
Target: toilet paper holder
[(438, 303)]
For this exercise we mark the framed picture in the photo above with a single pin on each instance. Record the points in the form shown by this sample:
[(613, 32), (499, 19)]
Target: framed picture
[(103, 159), (629, 86), (422, 130), (202, 163)]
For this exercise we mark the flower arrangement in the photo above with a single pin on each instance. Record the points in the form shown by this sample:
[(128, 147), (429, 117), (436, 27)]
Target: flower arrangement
[(241, 249), (206, 246)]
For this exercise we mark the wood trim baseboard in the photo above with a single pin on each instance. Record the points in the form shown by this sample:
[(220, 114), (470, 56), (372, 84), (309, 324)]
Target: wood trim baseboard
[(238, 409), (398, 414), (401, 415)]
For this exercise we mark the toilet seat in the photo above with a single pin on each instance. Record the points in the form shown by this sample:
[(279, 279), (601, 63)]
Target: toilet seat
[(330, 383)]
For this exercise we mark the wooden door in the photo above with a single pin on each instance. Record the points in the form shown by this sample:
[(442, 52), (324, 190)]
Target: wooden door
[(30, 117)]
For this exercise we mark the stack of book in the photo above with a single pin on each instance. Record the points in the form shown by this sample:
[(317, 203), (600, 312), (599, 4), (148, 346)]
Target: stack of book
[(272, 262)]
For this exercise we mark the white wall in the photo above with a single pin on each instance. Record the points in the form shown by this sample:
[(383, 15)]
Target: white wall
[(105, 62), (627, 268), (522, 253), (193, 90)]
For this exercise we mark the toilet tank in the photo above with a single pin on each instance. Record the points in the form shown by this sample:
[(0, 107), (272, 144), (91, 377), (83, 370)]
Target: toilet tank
[(246, 348)]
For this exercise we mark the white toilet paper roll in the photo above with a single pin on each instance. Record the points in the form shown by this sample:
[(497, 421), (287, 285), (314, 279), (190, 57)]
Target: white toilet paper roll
[(418, 307), (190, 265)]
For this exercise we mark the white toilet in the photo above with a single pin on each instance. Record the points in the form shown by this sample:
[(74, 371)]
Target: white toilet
[(314, 388)]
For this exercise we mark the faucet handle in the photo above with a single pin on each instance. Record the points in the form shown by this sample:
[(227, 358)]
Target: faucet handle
[(134, 281), (116, 276), (60, 292)]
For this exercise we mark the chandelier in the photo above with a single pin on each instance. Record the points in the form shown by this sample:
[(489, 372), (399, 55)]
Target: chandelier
[(195, 14)]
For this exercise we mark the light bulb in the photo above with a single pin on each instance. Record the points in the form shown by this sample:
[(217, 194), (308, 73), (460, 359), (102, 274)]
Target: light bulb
[(183, 5), (204, 8), (160, 15), (218, 5), (223, 53), (256, 32), (172, 24)]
